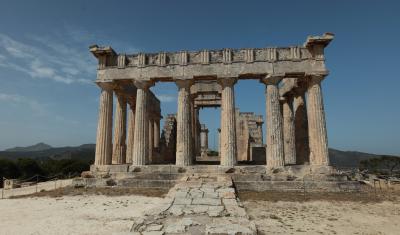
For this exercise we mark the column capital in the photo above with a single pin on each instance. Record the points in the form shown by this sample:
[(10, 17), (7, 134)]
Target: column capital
[(184, 83), (317, 77), (272, 79), (106, 85), (145, 85), (227, 82)]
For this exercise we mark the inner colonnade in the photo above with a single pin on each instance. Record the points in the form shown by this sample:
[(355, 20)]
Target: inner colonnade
[(295, 119)]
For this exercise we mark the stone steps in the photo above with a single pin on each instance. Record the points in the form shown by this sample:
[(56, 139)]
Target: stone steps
[(198, 204)]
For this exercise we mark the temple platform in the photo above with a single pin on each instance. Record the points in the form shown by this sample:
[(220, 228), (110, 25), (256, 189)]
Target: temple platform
[(244, 177)]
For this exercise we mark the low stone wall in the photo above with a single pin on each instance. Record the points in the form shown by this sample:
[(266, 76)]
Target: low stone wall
[(253, 178), (46, 186)]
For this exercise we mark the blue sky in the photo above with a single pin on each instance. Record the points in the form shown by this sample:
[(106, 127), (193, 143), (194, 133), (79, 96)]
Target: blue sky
[(46, 72)]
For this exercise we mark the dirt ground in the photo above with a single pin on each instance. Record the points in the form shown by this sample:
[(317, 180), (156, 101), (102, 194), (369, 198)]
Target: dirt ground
[(324, 213), (110, 210), (75, 211)]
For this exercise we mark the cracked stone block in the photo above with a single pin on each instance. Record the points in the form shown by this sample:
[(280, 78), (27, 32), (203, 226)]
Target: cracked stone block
[(180, 194), (153, 233), (211, 195), (229, 201), (215, 211), (154, 227), (207, 201), (176, 210), (198, 209), (226, 190), (235, 211), (182, 201), (228, 228), (227, 195), (175, 228), (207, 189)]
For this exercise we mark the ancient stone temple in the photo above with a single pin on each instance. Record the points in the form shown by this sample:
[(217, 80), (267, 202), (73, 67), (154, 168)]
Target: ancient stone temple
[(128, 135)]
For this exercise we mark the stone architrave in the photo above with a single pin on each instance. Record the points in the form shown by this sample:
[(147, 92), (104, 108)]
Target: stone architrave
[(316, 123), (104, 125), (228, 122), (119, 146), (288, 131), (275, 149), (131, 129), (184, 153), (141, 141)]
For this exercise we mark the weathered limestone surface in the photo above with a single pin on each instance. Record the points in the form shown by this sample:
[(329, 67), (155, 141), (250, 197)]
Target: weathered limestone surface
[(275, 151), (151, 139), (289, 131), (131, 130), (316, 123), (119, 147), (104, 127), (140, 146), (184, 153), (301, 129), (228, 123), (198, 204)]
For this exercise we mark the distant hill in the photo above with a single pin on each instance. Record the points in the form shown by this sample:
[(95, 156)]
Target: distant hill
[(85, 152), (349, 158), (36, 147)]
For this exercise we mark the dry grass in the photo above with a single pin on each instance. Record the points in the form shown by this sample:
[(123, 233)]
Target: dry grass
[(366, 195), (108, 191)]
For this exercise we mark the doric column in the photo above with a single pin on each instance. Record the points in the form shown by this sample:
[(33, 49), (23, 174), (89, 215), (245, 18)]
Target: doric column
[(301, 129), (151, 138), (104, 126), (184, 153), (288, 131), (119, 146), (219, 142), (204, 140), (156, 132), (275, 151), (316, 122), (131, 128), (141, 141), (228, 122)]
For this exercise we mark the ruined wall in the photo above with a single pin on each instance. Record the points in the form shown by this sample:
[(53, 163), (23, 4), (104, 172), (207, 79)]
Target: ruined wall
[(168, 139)]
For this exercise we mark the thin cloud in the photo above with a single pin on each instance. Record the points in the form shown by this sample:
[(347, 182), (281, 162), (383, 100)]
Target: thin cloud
[(50, 61), (34, 105)]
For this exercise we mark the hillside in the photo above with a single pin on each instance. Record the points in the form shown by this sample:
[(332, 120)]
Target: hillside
[(33, 148), (85, 152)]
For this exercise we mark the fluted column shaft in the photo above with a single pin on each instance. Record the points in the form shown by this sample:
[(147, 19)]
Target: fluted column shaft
[(156, 133), (228, 122), (104, 126), (131, 128), (301, 129), (184, 153), (316, 123), (288, 131), (151, 139), (141, 140), (119, 146), (275, 149)]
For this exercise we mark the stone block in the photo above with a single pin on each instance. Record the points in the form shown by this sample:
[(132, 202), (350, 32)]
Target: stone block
[(182, 201), (207, 201)]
